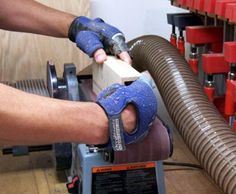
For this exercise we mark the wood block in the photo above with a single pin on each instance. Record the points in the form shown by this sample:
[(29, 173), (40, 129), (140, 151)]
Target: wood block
[(113, 70)]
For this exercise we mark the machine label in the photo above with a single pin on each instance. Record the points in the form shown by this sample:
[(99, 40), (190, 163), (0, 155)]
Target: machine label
[(137, 178)]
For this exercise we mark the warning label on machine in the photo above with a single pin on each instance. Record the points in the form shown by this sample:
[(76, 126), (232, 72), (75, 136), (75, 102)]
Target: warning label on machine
[(125, 179)]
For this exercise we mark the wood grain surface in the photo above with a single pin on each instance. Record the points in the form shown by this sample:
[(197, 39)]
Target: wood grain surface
[(24, 55)]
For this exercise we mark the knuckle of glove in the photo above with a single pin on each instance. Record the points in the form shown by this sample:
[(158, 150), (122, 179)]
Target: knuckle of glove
[(104, 29), (77, 25), (111, 38), (88, 42)]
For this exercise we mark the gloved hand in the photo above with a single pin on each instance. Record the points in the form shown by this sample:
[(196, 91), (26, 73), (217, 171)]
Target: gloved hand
[(91, 35), (115, 98)]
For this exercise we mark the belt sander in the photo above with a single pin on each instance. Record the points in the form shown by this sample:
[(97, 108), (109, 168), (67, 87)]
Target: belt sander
[(95, 169)]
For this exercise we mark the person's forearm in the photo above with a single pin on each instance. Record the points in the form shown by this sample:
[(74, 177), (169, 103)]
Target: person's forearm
[(30, 119), (31, 16)]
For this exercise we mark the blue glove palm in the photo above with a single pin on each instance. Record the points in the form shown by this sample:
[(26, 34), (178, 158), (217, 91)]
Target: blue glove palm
[(91, 35), (115, 98)]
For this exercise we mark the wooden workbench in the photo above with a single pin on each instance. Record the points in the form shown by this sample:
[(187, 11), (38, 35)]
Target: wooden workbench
[(35, 174)]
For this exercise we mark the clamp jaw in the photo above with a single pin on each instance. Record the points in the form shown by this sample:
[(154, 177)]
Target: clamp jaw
[(63, 88)]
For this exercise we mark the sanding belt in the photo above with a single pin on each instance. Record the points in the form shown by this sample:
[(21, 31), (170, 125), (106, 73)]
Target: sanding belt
[(156, 145)]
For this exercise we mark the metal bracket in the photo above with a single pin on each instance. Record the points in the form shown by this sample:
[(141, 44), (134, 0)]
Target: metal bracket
[(66, 88)]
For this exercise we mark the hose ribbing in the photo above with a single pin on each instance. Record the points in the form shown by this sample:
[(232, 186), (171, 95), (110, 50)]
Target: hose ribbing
[(198, 121)]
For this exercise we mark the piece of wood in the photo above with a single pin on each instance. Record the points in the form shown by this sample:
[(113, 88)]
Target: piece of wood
[(24, 56), (112, 71)]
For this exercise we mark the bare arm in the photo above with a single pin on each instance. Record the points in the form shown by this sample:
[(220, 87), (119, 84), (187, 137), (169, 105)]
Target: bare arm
[(32, 119), (31, 16)]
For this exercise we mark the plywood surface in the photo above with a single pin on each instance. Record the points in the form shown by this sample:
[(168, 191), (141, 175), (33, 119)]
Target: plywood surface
[(24, 56), (35, 174)]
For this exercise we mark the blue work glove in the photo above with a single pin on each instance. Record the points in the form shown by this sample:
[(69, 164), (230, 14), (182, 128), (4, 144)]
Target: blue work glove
[(114, 100), (91, 35)]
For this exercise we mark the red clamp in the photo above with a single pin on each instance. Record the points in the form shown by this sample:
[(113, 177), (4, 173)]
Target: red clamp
[(229, 52), (220, 7), (190, 4), (204, 34), (181, 45), (229, 10), (199, 5), (194, 65), (217, 47), (173, 40), (230, 97), (214, 63), (233, 18), (199, 35), (210, 92), (209, 6)]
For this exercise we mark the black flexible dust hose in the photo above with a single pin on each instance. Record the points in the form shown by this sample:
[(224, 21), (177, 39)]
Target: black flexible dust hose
[(200, 124)]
